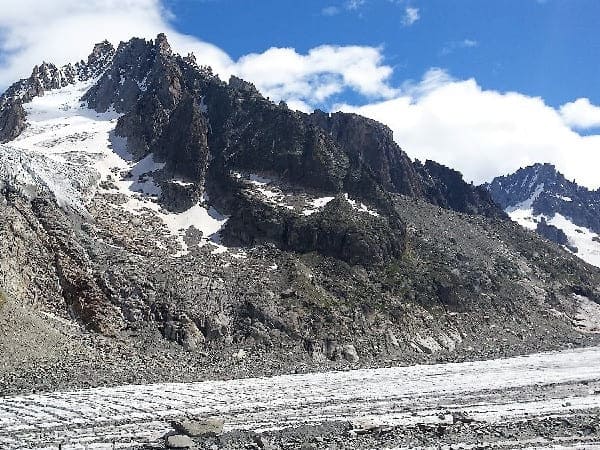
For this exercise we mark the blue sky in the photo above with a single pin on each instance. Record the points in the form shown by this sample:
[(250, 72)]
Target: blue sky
[(549, 49), (483, 86)]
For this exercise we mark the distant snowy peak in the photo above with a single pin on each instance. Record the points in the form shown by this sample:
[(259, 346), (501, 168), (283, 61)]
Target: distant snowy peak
[(522, 185), (542, 199), (546, 191), (47, 76), (44, 78)]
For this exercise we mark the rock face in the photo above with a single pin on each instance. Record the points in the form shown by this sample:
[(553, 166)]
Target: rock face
[(554, 234), (336, 231), (445, 187), (228, 234), (12, 120)]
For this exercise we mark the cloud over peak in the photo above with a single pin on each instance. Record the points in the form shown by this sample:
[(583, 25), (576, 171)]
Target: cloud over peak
[(32, 31), (63, 31), (483, 133)]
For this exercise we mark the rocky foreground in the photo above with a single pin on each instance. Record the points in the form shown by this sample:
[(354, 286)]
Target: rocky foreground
[(478, 290), (538, 400)]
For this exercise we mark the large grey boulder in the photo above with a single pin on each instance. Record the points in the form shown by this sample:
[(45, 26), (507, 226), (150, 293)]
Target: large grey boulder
[(349, 353), (212, 426), (179, 441)]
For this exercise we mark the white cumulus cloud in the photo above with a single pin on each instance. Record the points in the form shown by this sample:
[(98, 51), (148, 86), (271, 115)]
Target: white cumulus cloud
[(581, 114), (283, 73), (64, 31), (483, 133)]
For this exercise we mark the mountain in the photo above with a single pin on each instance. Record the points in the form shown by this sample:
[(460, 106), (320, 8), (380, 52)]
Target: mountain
[(541, 198), (164, 225)]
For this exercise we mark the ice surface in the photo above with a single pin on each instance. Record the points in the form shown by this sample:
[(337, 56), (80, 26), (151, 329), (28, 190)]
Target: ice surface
[(33, 174), (492, 391)]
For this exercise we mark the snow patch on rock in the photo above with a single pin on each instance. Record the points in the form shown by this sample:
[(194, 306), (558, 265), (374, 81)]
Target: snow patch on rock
[(361, 206), (316, 204), (582, 238), (522, 212), (206, 220)]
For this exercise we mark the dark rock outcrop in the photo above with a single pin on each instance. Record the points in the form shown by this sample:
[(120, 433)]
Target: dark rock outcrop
[(445, 187), (12, 121), (338, 231), (370, 147)]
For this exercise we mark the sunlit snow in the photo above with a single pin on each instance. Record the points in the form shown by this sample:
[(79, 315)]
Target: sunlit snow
[(522, 212), (582, 238), (68, 149), (579, 237)]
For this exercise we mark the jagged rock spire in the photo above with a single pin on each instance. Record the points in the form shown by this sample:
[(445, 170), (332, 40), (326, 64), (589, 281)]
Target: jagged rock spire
[(162, 45)]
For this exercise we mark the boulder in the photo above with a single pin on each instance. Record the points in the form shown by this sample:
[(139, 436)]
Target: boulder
[(349, 353), (179, 441), (212, 426)]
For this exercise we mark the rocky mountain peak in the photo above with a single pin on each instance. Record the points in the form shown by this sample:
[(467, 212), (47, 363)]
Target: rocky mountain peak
[(204, 131), (45, 77), (541, 198), (162, 45), (97, 61), (544, 185), (139, 66)]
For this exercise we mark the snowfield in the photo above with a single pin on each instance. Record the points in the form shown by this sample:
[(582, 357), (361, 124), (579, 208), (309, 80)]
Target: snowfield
[(539, 385), (68, 149), (585, 240)]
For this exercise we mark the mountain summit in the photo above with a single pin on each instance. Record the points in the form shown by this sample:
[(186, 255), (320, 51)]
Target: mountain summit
[(541, 198), (192, 227)]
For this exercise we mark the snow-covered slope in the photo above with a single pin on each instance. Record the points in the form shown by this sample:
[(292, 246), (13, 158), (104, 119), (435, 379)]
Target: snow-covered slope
[(584, 240), (541, 198), (72, 152)]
